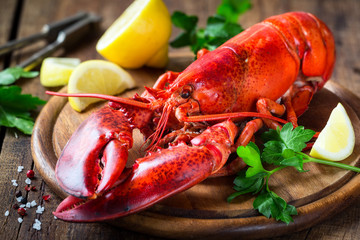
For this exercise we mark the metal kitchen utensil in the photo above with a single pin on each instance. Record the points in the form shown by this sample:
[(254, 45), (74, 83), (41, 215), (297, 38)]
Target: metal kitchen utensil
[(58, 34)]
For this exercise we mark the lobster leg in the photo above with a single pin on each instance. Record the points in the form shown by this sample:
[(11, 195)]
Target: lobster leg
[(166, 78), (157, 176), (161, 83), (299, 96), (264, 106), (268, 107)]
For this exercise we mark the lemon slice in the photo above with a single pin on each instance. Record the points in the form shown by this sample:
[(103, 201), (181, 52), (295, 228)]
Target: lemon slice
[(97, 76), (56, 71), (139, 34), (337, 140)]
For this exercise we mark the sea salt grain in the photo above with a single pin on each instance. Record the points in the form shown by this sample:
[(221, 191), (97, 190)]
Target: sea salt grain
[(14, 183), (28, 205), (37, 224), (20, 168), (20, 220), (55, 217), (19, 198), (28, 181), (33, 203), (40, 209), (22, 205), (6, 213)]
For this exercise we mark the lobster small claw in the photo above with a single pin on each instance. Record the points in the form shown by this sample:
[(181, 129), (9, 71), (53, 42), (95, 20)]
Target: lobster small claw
[(157, 176), (98, 150)]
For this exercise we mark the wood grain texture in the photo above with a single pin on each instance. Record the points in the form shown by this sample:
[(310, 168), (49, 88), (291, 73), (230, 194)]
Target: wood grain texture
[(340, 16)]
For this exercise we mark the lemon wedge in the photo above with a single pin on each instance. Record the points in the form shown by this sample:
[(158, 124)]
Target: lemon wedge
[(97, 76), (139, 36), (56, 71), (337, 140)]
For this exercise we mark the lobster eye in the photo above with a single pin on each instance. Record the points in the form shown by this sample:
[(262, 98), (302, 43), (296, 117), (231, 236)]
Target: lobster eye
[(186, 92)]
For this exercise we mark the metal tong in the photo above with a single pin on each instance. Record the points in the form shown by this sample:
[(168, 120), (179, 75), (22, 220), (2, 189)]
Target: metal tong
[(58, 34)]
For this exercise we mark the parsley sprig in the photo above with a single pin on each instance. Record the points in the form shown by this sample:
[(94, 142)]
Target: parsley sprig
[(282, 148), (15, 107), (219, 28)]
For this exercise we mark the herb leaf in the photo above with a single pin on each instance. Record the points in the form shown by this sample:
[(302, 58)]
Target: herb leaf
[(270, 204), (220, 27), (20, 120), (232, 9), (272, 152), (10, 75), (251, 156), (245, 185), (14, 108), (183, 21), (282, 147), (282, 144), (295, 161), (296, 139)]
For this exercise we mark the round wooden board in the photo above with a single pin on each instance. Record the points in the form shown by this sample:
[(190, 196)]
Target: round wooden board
[(202, 211)]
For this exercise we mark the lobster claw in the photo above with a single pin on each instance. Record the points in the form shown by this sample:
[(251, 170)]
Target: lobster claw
[(156, 176), (96, 155)]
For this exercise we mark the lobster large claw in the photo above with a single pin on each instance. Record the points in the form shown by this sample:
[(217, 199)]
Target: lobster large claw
[(157, 176), (95, 156)]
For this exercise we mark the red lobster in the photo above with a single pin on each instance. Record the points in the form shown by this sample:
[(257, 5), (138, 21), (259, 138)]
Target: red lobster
[(193, 118)]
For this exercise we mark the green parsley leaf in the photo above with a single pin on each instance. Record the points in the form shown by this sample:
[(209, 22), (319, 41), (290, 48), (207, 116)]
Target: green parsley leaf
[(10, 75), (272, 152), (251, 156), (20, 120), (11, 97), (183, 21), (294, 161), (188, 24), (270, 204), (232, 9), (219, 28), (295, 139), (14, 108), (245, 184), (282, 144), (283, 148), (271, 135)]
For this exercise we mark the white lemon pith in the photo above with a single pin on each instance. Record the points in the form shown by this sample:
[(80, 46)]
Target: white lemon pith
[(337, 140), (56, 71), (137, 35), (97, 76)]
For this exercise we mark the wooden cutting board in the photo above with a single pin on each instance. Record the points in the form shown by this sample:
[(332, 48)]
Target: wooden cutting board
[(202, 211)]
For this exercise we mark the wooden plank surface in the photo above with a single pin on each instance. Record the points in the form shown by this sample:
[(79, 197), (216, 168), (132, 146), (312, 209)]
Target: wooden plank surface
[(340, 16)]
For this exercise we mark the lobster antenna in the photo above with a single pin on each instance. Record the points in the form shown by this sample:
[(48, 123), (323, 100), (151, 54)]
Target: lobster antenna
[(156, 136), (224, 116), (104, 97)]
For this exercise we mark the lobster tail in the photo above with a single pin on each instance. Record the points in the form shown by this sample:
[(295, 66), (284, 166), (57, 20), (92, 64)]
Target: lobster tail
[(310, 39)]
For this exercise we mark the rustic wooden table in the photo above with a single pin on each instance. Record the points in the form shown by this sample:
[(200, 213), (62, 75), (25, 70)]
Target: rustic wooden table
[(21, 18)]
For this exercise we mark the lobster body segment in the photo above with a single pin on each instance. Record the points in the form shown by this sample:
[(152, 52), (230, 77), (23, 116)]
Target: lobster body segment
[(279, 60)]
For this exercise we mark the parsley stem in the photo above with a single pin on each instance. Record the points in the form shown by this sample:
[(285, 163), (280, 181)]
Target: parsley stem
[(270, 173), (275, 170), (330, 163)]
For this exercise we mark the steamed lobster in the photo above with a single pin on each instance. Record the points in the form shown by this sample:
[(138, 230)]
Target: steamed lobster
[(194, 118)]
